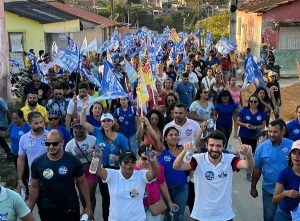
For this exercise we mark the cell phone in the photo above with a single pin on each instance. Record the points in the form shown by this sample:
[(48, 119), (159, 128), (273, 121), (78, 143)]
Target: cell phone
[(149, 154)]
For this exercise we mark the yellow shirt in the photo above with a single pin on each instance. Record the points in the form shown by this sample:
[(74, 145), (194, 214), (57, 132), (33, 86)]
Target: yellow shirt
[(103, 102), (42, 110)]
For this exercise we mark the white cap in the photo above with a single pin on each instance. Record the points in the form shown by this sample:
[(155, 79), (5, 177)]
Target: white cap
[(296, 145), (107, 116)]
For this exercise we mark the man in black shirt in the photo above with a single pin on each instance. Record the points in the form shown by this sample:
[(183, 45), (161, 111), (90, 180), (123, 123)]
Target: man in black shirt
[(40, 87), (53, 186)]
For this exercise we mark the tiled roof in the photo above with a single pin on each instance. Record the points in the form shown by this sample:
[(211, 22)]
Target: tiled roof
[(89, 16), (38, 11), (258, 6)]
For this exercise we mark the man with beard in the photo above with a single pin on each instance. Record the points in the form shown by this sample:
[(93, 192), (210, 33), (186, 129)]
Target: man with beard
[(75, 105), (271, 157), (33, 106), (213, 173), (59, 103), (31, 145), (38, 86), (187, 128)]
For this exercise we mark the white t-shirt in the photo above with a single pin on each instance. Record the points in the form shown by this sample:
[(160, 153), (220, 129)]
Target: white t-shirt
[(213, 188), (204, 113), (87, 147), (162, 78), (185, 131), (79, 105), (192, 78), (126, 195), (206, 82)]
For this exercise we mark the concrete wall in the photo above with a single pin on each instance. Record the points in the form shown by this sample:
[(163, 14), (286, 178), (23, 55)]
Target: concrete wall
[(288, 12), (33, 32), (248, 32), (62, 27)]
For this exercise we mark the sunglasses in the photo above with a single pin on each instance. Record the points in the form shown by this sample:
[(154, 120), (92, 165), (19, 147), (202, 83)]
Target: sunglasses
[(54, 144), (58, 93), (106, 120), (36, 81), (253, 101), (132, 161), (52, 118)]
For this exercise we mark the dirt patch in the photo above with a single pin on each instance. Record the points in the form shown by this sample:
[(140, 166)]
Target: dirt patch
[(290, 96)]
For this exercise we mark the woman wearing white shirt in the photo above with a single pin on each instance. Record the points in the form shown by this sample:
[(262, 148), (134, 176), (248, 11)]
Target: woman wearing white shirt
[(127, 186), (209, 79)]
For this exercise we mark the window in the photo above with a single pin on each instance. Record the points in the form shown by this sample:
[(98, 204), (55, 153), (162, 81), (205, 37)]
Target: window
[(16, 47), (289, 38)]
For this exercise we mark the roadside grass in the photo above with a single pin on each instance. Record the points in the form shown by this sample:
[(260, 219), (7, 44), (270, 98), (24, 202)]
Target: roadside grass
[(8, 175)]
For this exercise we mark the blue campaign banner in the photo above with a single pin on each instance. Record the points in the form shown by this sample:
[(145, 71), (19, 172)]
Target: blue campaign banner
[(131, 72), (253, 75), (152, 59), (67, 59), (35, 65), (110, 86), (104, 47), (209, 39), (115, 41)]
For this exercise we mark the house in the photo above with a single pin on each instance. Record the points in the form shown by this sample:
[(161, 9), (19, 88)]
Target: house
[(35, 25), (273, 22)]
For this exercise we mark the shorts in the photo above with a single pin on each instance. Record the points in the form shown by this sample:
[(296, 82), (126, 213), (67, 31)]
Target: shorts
[(91, 178)]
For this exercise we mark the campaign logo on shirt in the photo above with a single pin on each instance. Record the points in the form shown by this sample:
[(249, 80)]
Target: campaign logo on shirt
[(48, 174), (3, 216), (285, 149), (102, 145), (31, 143), (248, 118), (62, 170), (21, 132), (258, 118), (209, 175), (188, 132), (223, 174), (134, 192), (296, 131), (167, 158), (121, 119), (145, 195)]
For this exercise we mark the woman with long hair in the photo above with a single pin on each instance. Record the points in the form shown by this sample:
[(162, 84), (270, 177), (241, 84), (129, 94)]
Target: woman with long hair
[(176, 180), (265, 100), (216, 87), (286, 193), (235, 92), (94, 118), (224, 111), (111, 143)]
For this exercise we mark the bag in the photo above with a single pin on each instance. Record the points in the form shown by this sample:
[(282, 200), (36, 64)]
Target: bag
[(158, 207), (82, 152)]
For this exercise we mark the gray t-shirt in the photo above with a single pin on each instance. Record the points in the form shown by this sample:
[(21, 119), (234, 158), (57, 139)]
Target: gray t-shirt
[(204, 113), (87, 146)]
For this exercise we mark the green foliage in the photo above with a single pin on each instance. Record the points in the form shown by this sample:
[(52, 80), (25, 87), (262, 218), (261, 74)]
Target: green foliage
[(218, 25)]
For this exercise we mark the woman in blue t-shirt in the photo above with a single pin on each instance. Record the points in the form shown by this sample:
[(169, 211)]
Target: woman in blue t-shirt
[(94, 118), (111, 143), (251, 119), (286, 192), (176, 180), (224, 110), (15, 131)]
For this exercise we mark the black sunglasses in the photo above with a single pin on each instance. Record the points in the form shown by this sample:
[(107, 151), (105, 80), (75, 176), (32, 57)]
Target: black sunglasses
[(58, 93), (132, 161), (48, 144), (52, 118), (253, 101)]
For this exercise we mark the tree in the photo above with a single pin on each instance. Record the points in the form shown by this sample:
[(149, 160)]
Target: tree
[(218, 25)]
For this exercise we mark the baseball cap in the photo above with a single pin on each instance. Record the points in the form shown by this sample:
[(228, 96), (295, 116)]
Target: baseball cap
[(296, 145), (76, 123), (126, 155), (107, 116)]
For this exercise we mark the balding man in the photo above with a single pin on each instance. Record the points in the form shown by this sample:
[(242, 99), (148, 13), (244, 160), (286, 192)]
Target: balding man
[(53, 186)]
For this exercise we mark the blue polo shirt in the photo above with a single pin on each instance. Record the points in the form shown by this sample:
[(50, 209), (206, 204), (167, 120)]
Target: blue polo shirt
[(16, 133), (225, 113), (248, 118), (293, 129), (90, 119), (290, 181), (185, 92), (118, 144), (126, 120), (272, 160), (173, 177)]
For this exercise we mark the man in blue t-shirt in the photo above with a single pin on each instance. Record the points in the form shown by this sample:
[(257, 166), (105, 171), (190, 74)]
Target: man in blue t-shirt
[(271, 157), (186, 90), (293, 127)]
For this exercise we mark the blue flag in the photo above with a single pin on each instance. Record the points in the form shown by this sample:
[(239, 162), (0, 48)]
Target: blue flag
[(68, 59), (104, 47), (199, 32), (159, 54), (152, 59), (35, 65), (90, 76), (72, 46), (209, 39), (115, 41), (110, 86), (131, 72), (253, 74)]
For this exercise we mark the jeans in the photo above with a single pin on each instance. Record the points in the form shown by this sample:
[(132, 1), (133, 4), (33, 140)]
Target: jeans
[(227, 132), (133, 145), (280, 215), (150, 217), (179, 196), (268, 206)]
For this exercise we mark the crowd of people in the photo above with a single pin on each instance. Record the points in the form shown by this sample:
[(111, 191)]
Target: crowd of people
[(142, 175)]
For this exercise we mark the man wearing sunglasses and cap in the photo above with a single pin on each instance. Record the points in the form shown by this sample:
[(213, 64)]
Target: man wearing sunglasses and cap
[(127, 186), (53, 186)]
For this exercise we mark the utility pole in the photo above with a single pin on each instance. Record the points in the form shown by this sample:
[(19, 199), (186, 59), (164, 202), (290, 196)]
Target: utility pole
[(5, 84), (232, 23), (112, 9)]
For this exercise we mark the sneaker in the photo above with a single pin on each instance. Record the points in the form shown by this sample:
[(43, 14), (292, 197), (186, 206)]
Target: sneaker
[(249, 176)]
